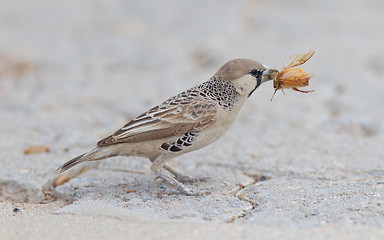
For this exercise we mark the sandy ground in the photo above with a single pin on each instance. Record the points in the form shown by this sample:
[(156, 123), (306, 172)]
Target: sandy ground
[(302, 166)]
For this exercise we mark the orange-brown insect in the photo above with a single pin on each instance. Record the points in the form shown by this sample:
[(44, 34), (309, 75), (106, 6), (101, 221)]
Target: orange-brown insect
[(36, 149), (291, 77)]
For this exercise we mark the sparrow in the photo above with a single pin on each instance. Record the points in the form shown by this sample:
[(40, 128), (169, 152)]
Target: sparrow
[(184, 123)]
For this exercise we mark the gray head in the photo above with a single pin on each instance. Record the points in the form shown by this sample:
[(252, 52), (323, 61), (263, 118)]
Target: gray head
[(239, 68)]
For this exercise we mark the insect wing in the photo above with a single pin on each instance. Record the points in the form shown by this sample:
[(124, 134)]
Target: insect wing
[(297, 60)]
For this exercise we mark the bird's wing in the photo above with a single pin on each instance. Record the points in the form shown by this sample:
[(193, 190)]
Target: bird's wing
[(174, 117)]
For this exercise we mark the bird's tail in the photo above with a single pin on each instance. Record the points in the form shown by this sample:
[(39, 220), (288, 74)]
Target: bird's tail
[(95, 154)]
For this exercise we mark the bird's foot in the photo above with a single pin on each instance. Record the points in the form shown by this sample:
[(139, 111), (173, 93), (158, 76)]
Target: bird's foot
[(180, 186), (184, 178), (190, 179)]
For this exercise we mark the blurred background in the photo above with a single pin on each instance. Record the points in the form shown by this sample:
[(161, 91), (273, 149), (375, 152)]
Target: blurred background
[(72, 72)]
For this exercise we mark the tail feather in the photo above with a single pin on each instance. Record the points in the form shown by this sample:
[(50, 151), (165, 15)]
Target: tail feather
[(79, 159), (71, 163)]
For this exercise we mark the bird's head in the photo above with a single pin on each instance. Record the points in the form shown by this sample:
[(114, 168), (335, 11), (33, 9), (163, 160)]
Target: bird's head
[(245, 74)]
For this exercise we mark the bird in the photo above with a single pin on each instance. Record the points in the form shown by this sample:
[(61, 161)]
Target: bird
[(184, 123)]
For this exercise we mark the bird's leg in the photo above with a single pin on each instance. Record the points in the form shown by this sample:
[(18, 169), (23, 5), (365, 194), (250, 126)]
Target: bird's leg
[(181, 177), (299, 90), (184, 178), (157, 168)]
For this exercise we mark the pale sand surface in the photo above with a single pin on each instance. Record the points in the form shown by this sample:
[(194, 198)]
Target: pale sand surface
[(305, 166)]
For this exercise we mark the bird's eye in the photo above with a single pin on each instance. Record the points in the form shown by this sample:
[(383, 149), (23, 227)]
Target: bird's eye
[(255, 73)]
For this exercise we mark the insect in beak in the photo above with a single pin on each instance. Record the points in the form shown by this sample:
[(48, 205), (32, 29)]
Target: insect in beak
[(291, 76)]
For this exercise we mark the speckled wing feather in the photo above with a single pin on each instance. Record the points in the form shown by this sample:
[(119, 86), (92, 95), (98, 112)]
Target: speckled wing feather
[(185, 112)]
